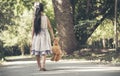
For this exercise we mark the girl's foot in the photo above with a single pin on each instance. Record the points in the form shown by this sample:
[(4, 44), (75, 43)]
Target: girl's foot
[(43, 69)]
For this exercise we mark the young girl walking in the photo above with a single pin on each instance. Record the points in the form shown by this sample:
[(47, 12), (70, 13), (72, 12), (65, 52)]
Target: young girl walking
[(41, 38)]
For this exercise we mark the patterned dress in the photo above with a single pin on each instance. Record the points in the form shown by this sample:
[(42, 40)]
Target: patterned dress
[(41, 43)]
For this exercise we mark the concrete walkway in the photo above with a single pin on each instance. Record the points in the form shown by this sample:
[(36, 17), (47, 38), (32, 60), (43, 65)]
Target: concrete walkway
[(61, 68)]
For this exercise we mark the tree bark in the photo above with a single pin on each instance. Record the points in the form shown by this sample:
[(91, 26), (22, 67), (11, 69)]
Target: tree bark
[(103, 43), (115, 26), (22, 50), (65, 27)]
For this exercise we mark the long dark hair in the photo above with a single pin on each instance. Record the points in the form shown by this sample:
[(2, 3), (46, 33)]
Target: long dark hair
[(37, 19)]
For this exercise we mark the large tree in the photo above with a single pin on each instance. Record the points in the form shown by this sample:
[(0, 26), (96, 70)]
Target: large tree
[(65, 26)]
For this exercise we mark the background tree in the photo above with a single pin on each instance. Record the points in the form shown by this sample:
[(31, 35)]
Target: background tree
[(64, 22), (17, 32), (96, 11), (115, 24), (6, 13), (91, 21), (103, 36)]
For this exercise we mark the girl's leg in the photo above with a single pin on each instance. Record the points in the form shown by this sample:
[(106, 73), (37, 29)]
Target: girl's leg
[(38, 61), (43, 62)]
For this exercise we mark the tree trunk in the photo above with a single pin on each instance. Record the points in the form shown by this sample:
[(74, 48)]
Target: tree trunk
[(115, 25), (103, 42), (88, 7), (65, 27), (22, 50)]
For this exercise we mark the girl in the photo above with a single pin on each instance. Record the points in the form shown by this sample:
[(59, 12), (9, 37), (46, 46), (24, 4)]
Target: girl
[(41, 40)]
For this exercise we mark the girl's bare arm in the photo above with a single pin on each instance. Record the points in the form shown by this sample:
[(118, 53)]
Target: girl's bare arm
[(50, 28)]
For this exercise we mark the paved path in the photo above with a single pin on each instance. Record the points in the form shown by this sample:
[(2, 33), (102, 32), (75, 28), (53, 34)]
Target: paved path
[(61, 68)]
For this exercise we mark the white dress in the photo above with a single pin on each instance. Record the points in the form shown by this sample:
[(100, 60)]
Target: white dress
[(42, 42)]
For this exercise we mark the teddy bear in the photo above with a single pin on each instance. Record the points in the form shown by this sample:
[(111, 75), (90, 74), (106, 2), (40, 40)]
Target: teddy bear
[(56, 50)]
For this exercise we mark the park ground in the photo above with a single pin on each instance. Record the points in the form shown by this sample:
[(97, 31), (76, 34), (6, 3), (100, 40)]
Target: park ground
[(26, 66)]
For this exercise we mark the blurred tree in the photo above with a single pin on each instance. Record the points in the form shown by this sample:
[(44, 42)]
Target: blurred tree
[(16, 34), (64, 21), (115, 24), (6, 13), (103, 32), (19, 33), (89, 14)]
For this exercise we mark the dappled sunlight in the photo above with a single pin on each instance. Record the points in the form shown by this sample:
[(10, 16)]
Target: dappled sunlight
[(58, 68), (72, 69), (16, 67), (18, 62), (97, 68), (59, 7)]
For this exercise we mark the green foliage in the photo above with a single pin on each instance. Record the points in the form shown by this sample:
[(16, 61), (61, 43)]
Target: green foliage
[(49, 11), (83, 29), (6, 13), (16, 25), (19, 34), (89, 14), (28, 3), (104, 32)]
